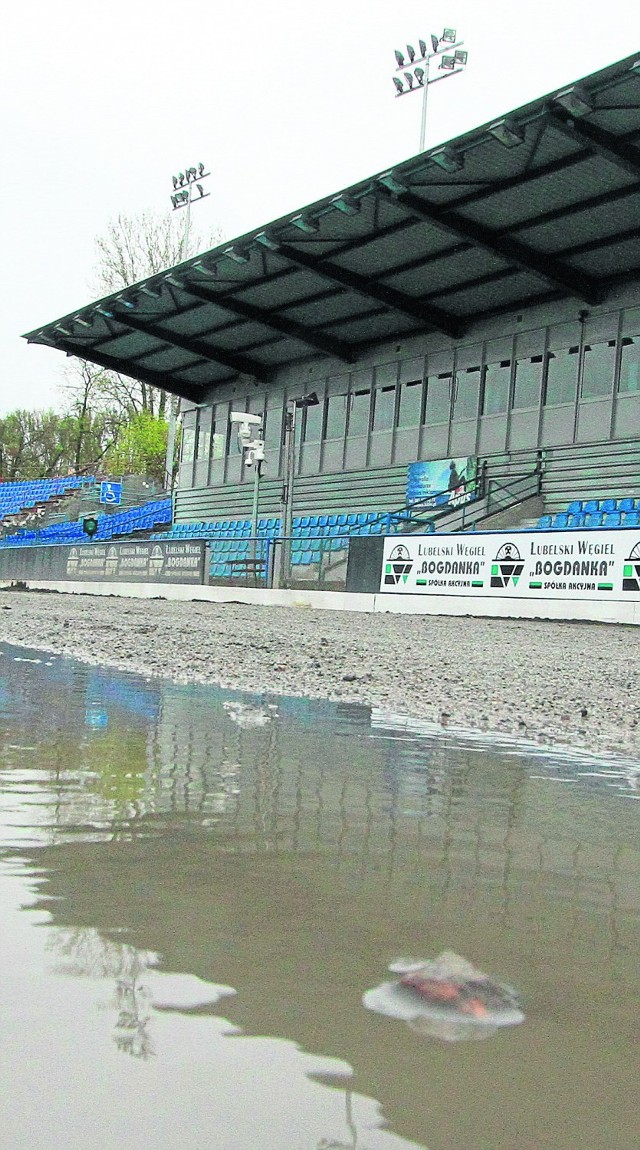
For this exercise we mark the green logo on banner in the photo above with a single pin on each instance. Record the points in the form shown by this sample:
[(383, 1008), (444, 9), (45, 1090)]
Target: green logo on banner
[(631, 570), (507, 567), (398, 566)]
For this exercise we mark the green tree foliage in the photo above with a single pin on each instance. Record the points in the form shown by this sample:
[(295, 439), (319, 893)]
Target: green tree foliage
[(141, 447), (36, 444)]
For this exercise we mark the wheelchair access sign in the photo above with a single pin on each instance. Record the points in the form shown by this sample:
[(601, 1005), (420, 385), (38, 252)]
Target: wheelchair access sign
[(111, 493)]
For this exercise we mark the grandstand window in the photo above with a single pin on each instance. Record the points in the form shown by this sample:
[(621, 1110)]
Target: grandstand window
[(467, 393), (528, 381), (630, 364), (272, 431), (312, 424), (562, 375), (203, 439), (599, 365), (359, 407), (410, 406), (188, 440), (438, 402), (335, 417), (496, 385), (384, 408)]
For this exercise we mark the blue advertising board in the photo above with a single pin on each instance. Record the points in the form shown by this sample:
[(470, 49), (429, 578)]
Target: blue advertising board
[(437, 482), (111, 493)]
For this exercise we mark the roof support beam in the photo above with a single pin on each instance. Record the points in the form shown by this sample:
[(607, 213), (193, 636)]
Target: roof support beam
[(598, 140), (512, 251), (144, 375), (326, 344), (428, 314), (241, 364)]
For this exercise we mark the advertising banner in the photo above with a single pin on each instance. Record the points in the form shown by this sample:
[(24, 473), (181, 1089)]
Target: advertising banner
[(148, 561), (439, 482), (526, 564)]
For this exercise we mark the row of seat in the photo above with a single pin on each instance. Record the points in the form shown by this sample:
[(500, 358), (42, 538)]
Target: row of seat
[(132, 519), (304, 526), (563, 521), (607, 512), (20, 495)]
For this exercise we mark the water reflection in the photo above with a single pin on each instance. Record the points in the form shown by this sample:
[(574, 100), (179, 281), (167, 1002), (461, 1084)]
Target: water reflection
[(289, 849)]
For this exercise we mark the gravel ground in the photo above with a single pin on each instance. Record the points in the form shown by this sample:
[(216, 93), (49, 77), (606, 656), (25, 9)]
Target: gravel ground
[(573, 683)]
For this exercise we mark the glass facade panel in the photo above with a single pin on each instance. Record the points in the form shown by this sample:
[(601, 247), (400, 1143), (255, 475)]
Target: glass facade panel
[(384, 408), (335, 417), (204, 433), (359, 406), (562, 375), (438, 402), (598, 369), (410, 409), (630, 364), (312, 423), (497, 380), (273, 431), (528, 382), (467, 393), (188, 444)]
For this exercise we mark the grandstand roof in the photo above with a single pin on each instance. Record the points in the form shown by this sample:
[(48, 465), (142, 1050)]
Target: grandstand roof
[(542, 204)]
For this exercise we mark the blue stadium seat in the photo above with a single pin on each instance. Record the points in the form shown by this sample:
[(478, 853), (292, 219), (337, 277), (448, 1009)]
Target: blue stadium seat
[(609, 505), (575, 507), (575, 521), (631, 519), (612, 518), (544, 522), (560, 521), (593, 519), (626, 504), (591, 505)]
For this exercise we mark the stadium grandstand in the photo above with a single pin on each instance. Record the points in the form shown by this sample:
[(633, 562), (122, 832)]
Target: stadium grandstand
[(480, 301)]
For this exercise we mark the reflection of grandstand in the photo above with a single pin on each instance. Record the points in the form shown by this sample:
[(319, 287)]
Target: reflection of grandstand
[(436, 313)]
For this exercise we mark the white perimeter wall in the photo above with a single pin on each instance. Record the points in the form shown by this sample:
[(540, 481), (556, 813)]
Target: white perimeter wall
[(498, 607)]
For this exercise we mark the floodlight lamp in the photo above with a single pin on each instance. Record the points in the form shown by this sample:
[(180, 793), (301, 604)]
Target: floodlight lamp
[(200, 189), (399, 86), (238, 255), (399, 58), (201, 170), (411, 53), (409, 78), (346, 204), (447, 159), (575, 101), (205, 268), (392, 182), (460, 56), (181, 178), (507, 132), (423, 48), (305, 223), (310, 400), (175, 181), (447, 63), (449, 36), (267, 241), (420, 76)]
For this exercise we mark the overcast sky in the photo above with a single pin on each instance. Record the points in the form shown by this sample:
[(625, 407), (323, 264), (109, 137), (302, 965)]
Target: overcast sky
[(285, 101)]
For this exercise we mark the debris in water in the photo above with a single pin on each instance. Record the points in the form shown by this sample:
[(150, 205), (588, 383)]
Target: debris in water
[(446, 997), (246, 715)]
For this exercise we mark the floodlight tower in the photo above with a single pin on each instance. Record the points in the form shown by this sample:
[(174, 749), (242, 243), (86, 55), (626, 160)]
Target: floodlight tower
[(183, 197), (415, 68)]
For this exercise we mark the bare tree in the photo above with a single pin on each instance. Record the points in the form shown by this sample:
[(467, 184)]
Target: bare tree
[(131, 248)]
